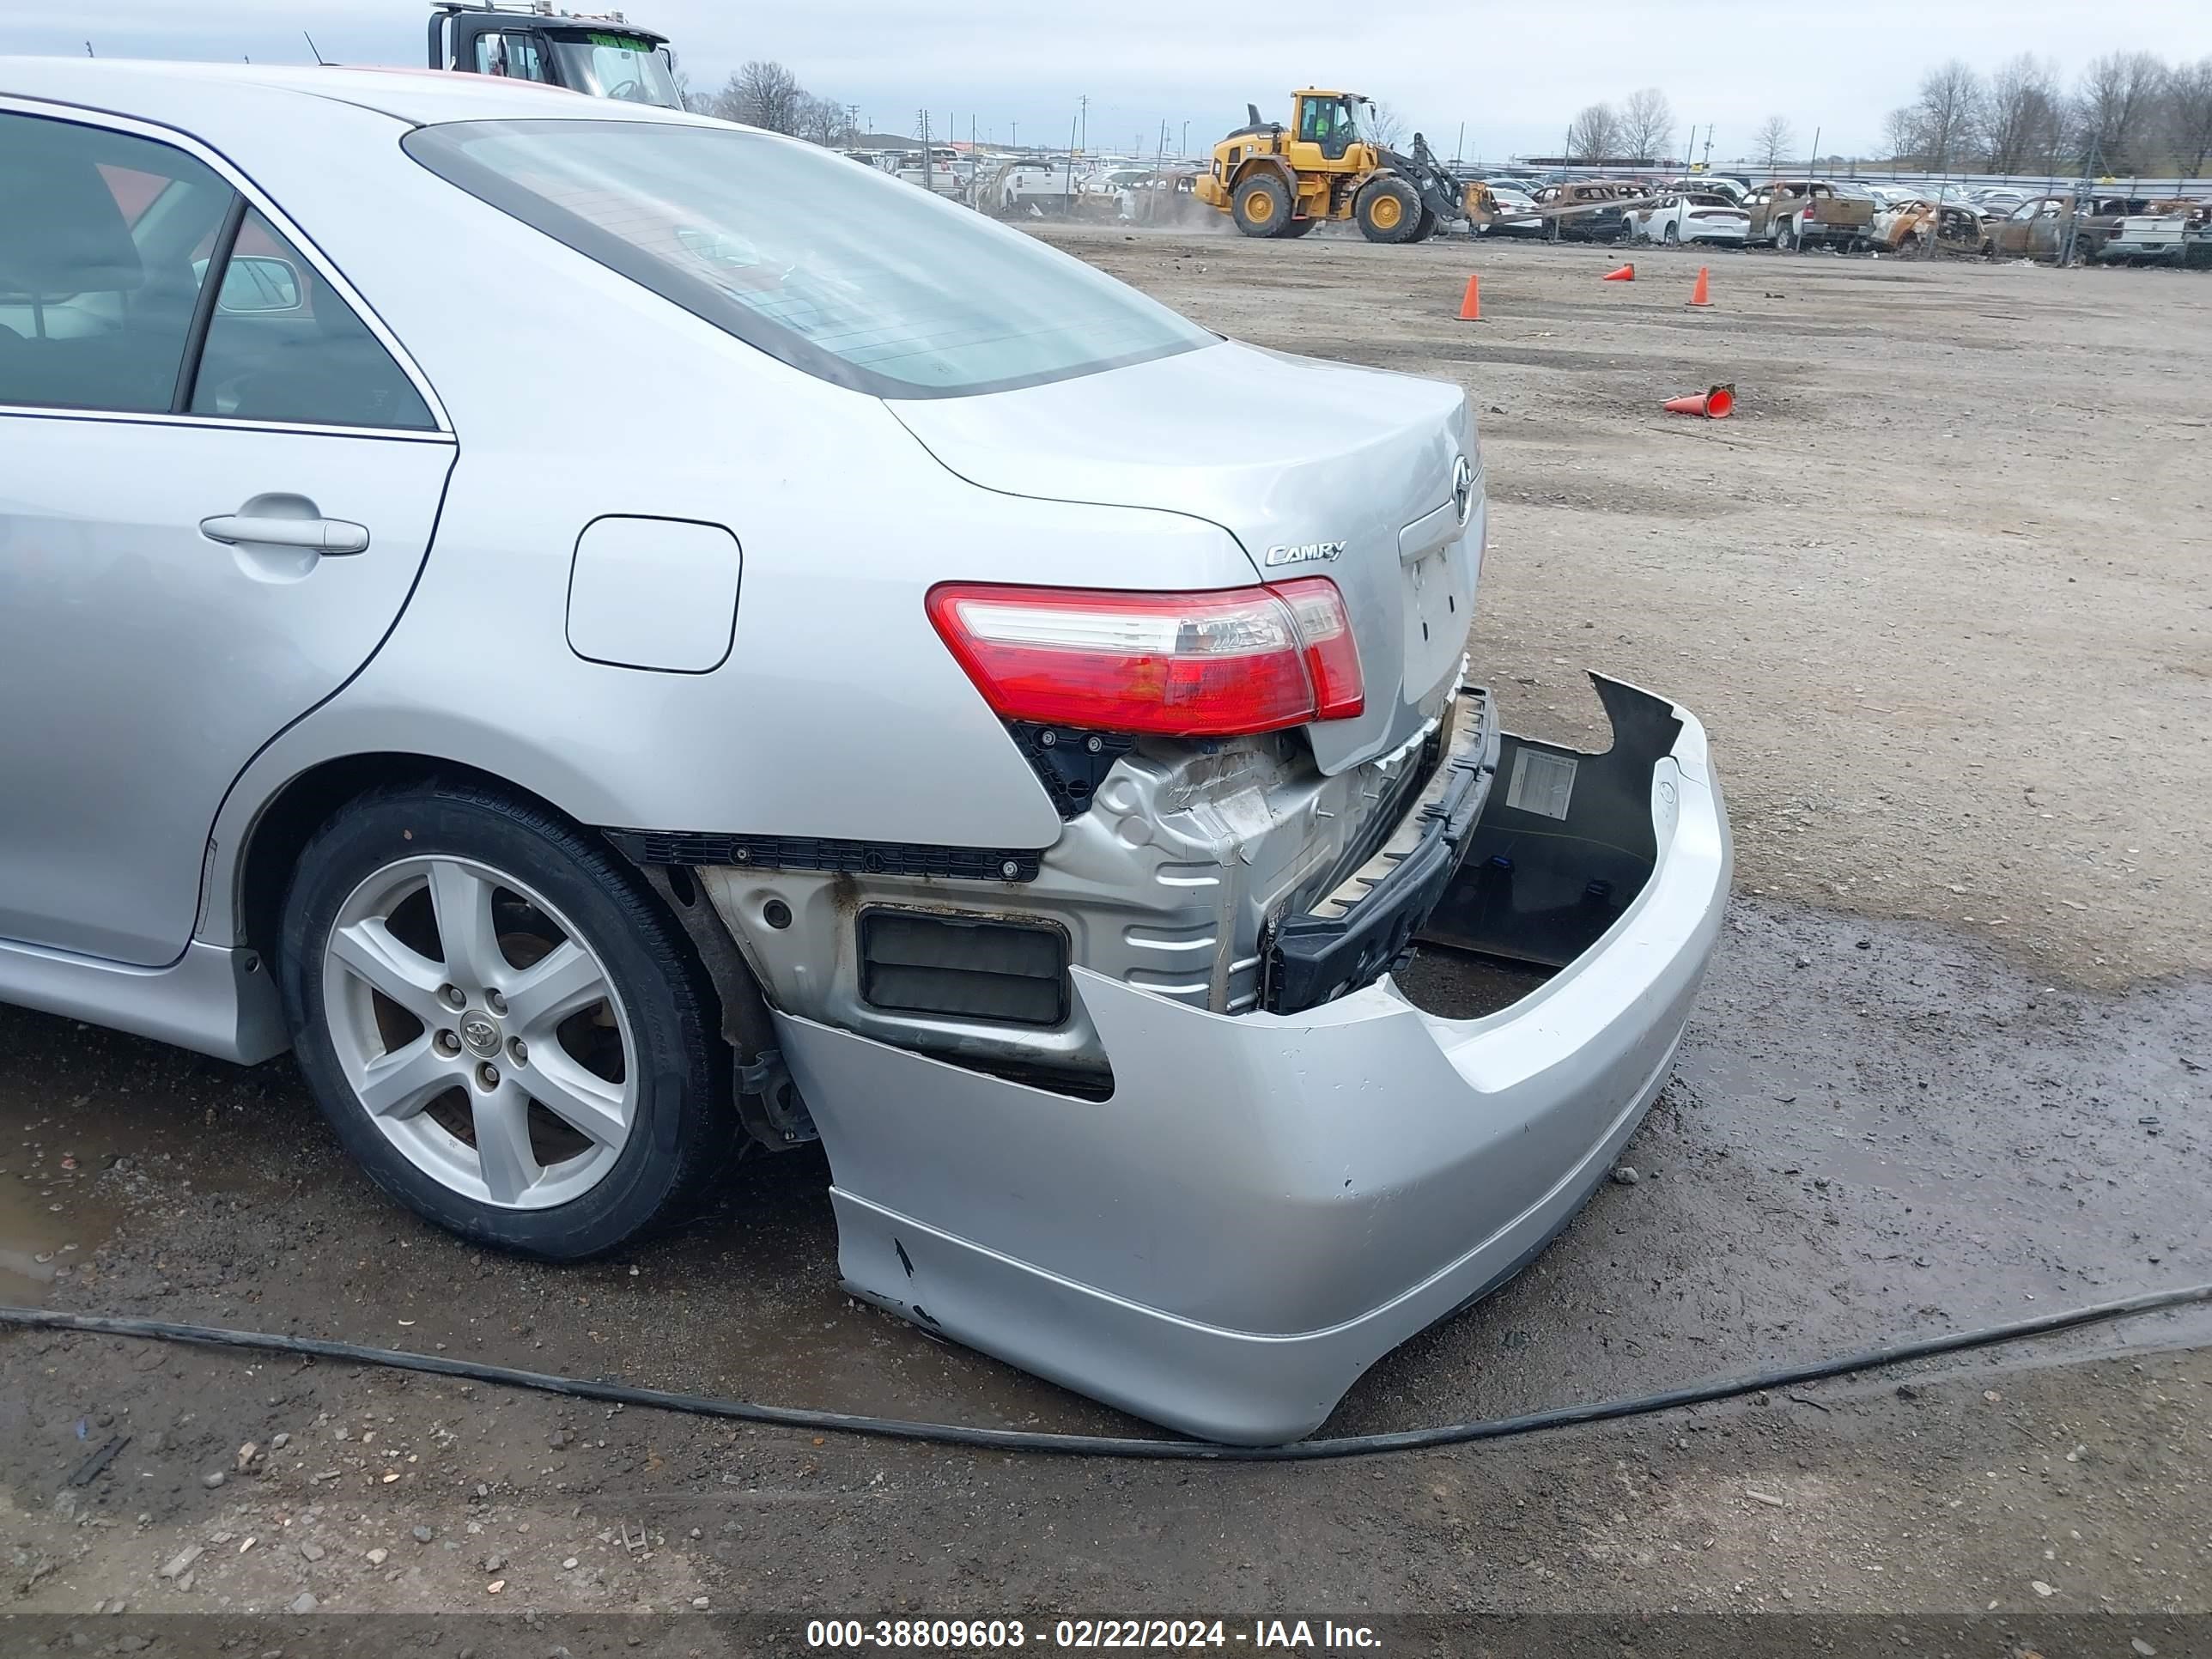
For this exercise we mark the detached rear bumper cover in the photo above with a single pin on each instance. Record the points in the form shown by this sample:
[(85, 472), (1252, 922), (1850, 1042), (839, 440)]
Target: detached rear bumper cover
[(1270, 1203)]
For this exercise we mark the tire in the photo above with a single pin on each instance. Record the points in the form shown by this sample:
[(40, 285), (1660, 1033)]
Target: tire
[(1427, 226), (1388, 210), (1261, 206), (1671, 234), (619, 1030), (1304, 226), (1785, 236)]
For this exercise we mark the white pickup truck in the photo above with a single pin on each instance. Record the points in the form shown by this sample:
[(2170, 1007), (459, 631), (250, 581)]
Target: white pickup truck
[(2175, 238)]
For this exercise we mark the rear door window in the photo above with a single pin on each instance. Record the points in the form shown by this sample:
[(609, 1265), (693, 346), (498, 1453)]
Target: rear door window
[(98, 284), (282, 345)]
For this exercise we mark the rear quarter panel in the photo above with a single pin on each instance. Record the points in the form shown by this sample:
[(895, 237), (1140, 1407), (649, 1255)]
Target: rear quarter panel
[(838, 712)]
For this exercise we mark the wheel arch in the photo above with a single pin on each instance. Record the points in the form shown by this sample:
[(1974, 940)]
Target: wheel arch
[(1254, 165), (279, 831)]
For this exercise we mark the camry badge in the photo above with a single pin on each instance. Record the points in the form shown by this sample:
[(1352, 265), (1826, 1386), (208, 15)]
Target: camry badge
[(1299, 552)]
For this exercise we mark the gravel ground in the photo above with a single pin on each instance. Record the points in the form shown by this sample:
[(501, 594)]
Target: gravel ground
[(1951, 1067)]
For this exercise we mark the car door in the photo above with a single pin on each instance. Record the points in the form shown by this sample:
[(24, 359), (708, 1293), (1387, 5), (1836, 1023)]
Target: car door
[(216, 488), (2047, 231), (1758, 205), (2010, 234)]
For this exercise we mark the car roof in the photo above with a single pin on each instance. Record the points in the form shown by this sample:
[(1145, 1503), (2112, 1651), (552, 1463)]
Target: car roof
[(183, 94)]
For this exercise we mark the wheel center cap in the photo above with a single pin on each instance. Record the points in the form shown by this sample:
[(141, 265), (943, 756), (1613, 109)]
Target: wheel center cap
[(480, 1032)]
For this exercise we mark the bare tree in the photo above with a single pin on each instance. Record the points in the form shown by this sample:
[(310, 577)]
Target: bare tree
[(1773, 141), (1594, 135), (762, 94), (821, 120), (2114, 106), (2022, 116), (1950, 110), (1389, 128), (1903, 136), (1647, 125), (2189, 115)]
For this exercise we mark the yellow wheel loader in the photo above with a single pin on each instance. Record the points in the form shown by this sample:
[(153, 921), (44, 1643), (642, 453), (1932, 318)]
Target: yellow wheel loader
[(1327, 164)]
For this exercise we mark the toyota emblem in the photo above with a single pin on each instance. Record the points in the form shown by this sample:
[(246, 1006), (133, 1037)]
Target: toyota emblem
[(1463, 486)]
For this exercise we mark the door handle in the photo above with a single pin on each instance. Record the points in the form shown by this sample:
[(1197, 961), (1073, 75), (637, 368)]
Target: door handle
[(333, 538)]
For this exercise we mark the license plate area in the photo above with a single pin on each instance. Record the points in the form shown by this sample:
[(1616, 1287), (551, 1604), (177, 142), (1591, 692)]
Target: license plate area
[(1435, 621)]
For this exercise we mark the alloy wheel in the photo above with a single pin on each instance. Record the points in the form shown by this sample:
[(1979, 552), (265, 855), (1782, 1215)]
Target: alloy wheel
[(480, 1032)]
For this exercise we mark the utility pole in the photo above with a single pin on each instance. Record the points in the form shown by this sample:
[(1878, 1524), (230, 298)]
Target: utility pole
[(1459, 150), (1016, 128), (1185, 151), (1152, 196), (1083, 122), (1067, 198)]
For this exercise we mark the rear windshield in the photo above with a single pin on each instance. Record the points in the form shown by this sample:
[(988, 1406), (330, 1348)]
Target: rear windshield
[(846, 273)]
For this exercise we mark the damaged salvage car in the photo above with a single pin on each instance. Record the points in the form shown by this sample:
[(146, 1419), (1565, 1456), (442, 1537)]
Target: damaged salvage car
[(750, 676)]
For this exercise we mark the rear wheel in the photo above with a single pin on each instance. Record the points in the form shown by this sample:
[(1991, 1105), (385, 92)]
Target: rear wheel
[(1785, 235), (1427, 226), (1261, 206), (501, 1024), (1388, 210), (1671, 236)]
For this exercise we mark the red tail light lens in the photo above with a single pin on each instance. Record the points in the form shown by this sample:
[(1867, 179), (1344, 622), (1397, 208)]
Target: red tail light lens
[(1332, 654), (1218, 664)]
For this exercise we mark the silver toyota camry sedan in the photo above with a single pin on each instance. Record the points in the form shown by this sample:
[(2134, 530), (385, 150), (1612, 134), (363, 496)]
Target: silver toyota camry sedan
[(622, 640)]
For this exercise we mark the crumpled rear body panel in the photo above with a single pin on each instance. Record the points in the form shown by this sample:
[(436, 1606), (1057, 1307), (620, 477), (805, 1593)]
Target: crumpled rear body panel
[(1267, 1204)]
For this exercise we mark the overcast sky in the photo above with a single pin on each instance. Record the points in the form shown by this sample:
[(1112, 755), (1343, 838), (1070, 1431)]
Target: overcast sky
[(1514, 76)]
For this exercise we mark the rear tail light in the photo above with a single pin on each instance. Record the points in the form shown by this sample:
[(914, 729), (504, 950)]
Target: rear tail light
[(1332, 654), (1218, 664)]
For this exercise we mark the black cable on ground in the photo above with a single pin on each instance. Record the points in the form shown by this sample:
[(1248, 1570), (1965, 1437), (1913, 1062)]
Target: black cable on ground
[(1100, 1445)]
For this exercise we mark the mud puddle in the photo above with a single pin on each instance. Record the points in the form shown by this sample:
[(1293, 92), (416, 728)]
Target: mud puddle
[(48, 1226)]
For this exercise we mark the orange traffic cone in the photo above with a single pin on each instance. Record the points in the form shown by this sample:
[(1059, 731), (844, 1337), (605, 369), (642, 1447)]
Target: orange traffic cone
[(1470, 307), (1702, 293), (1716, 404), (1626, 274)]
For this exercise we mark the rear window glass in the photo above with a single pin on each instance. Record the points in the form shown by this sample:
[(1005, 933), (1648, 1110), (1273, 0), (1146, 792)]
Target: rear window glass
[(844, 272)]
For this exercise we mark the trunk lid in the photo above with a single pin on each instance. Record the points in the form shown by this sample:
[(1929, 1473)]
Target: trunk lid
[(1317, 469)]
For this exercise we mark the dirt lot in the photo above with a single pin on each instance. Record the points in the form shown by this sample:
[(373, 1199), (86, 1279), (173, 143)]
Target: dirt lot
[(1940, 592)]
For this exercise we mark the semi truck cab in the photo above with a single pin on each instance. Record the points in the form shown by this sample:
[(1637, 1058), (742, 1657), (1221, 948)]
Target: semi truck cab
[(602, 56)]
